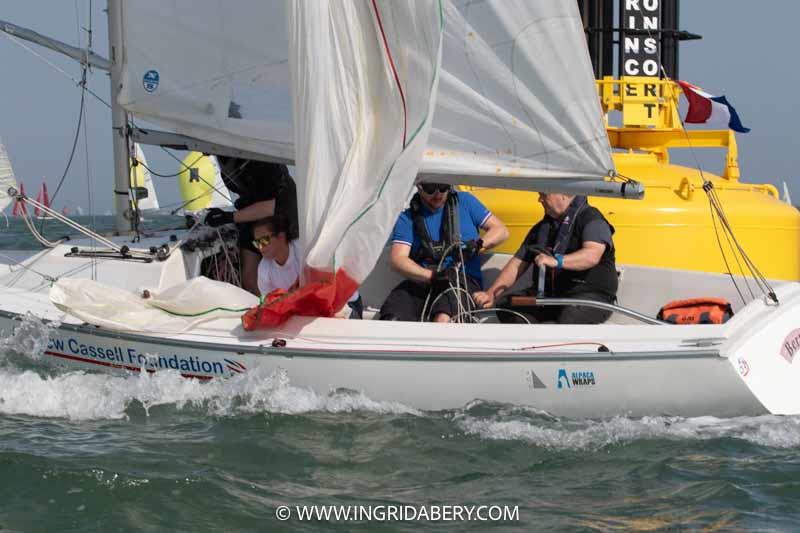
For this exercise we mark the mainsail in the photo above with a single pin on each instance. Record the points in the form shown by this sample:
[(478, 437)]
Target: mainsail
[(7, 178), (516, 104)]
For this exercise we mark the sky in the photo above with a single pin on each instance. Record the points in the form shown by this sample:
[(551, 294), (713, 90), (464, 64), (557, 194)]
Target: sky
[(747, 53)]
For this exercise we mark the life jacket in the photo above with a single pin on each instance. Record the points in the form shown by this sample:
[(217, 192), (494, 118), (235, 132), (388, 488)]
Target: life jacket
[(696, 311), (601, 278), (430, 251)]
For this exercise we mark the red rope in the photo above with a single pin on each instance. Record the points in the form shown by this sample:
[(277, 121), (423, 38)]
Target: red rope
[(394, 71)]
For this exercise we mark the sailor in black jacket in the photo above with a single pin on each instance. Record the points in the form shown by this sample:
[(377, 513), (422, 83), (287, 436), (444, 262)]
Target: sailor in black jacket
[(573, 244)]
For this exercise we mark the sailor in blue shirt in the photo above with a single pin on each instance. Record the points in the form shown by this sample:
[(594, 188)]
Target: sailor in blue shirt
[(429, 241)]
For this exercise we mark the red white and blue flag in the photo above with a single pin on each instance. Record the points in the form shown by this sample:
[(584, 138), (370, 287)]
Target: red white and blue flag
[(708, 109)]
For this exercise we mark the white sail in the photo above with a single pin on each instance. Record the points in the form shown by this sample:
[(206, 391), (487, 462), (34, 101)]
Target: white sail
[(787, 197), (517, 102), (7, 178), (347, 95), (220, 195), (517, 97), (211, 69), (141, 178), (364, 97)]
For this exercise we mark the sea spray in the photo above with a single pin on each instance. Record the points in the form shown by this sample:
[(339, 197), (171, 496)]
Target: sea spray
[(77, 395), (28, 338)]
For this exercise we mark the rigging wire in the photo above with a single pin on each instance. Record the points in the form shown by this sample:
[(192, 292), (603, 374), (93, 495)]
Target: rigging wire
[(188, 167), (82, 84), (716, 209), (20, 43)]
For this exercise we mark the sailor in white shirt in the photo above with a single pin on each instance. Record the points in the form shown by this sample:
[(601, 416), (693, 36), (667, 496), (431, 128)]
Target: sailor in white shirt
[(280, 260)]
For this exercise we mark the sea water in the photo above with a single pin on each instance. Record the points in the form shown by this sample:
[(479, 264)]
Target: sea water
[(93, 452)]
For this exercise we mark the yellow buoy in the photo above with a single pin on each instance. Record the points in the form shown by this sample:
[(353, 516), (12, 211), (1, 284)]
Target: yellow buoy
[(672, 227)]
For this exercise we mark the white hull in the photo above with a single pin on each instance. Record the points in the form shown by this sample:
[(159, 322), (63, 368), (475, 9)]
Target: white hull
[(726, 370), (634, 384)]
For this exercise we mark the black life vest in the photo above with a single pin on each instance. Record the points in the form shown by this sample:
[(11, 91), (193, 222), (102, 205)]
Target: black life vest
[(430, 251), (601, 278)]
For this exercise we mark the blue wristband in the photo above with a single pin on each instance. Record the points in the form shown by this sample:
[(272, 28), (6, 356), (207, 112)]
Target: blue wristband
[(559, 261)]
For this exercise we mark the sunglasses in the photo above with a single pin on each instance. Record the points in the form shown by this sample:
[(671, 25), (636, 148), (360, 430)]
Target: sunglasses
[(431, 188), (262, 241)]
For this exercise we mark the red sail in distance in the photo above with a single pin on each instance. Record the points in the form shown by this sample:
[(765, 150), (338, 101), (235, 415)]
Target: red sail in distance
[(42, 198), (19, 207)]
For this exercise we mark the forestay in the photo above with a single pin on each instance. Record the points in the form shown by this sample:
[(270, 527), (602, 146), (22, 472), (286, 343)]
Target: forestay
[(7, 179)]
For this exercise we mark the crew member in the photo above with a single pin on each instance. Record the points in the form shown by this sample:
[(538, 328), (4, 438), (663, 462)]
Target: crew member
[(281, 260), (430, 240), (264, 189), (573, 242)]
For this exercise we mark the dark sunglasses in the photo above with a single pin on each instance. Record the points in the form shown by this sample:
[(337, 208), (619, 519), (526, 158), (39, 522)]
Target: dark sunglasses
[(262, 241), (431, 188)]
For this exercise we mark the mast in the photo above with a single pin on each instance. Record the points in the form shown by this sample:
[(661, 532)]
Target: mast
[(119, 122)]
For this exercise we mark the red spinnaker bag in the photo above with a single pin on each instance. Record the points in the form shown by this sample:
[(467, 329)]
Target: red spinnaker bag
[(696, 311), (322, 296)]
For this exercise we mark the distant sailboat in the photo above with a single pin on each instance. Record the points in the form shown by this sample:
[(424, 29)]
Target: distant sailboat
[(20, 209), (201, 184), (7, 178), (142, 183), (786, 196), (43, 198)]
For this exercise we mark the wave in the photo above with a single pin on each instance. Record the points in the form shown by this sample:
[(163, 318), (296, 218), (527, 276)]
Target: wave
[(88, 396), (590, 435)]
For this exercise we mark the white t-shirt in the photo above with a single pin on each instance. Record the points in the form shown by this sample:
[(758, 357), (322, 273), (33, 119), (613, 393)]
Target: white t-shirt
[(273, 276)]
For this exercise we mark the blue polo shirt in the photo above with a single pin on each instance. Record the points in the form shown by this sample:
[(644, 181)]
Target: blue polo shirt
[(472, 214)]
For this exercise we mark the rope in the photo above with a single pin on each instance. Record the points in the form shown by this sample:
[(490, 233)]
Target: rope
[(72, 224), (499, 309), (23, 265)]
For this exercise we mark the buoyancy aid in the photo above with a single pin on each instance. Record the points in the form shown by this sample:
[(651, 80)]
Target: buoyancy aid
[(601, 278), (696, 311), (430, 251)]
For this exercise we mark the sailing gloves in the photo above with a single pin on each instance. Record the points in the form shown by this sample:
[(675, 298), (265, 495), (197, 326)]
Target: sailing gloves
[(444, 278), (217, 217), (472, 248)]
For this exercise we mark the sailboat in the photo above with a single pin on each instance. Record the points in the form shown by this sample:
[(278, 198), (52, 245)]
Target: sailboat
[(143, 193), (43, 198), (201, 184), (495, 93), (20, 209), (7, 178)]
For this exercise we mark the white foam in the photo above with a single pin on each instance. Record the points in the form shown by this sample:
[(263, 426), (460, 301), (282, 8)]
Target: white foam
[(29, 337), (80, 396), (770, 431)]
